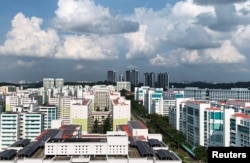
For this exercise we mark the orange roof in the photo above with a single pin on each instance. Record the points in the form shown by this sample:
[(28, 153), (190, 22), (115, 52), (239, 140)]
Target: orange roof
[(241, 115), (84, 102), (42, 134), (126, 129), (213, 108)]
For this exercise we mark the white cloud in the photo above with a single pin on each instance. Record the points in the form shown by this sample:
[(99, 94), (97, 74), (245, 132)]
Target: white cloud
[(87, 47), (169, 61), (27, 38), (88, 17), (227, 54), (139, 45), (79, 67)]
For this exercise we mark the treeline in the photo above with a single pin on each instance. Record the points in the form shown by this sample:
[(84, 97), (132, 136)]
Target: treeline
[(171, 85)]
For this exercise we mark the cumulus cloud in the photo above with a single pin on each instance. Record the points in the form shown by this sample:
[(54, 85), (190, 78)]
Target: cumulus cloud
[(214, 2), (227, 54), (27, 38), (87, 17), (224, 19), (139, 43), (87, 47), (169, 61)]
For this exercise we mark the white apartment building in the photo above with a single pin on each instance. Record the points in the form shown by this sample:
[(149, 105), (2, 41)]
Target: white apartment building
[(31, 125), (240, 130), (19, 125), (48, 83), (120, 85), (155, 100), (211, 123), (13, 100), (9, 129), (50, 113), (215, 94), (63, 104), (80, 113), (140, 93), (121, 111), (59, 82)]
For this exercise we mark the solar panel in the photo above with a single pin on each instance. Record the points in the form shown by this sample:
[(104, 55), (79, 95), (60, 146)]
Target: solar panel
[(24, 142), (8, 154), (135, 124), (144, 149), (154, 142), (30, 149), (165, 155)]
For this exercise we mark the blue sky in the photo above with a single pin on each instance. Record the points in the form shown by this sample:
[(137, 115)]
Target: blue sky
[(80, 40)]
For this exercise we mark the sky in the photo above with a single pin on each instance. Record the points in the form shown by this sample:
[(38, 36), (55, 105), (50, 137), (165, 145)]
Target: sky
[(80, 40)]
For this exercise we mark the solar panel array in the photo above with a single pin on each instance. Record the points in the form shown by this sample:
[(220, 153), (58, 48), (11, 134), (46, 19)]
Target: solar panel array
[(30, 149), (7, 154), (21, 143), (135, 124), (165, 155), (144, 149), (154, 142)]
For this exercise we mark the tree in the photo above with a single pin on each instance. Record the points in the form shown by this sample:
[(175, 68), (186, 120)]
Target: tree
[(179, 137), (200, 153), (95, 127), (106, 125), (106, 108), (123, 92)]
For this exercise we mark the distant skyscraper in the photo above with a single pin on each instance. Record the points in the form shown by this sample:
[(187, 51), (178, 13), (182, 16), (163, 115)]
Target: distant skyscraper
[(128, 75), (149, 79), (133, 77), (59, 82), (121, 77), (111, 76), (48, 83), (163, 80)]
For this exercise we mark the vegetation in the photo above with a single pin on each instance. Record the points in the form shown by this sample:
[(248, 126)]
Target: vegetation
[(106, 125), (201, 153), (95, 127)]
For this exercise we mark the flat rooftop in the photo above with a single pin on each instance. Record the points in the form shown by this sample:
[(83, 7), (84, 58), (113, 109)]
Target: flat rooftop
[(68, 140), (139, 149)]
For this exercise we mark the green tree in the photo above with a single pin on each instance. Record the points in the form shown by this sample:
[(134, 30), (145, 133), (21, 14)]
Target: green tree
[(200, 153), (179, 137), (123, 92), (106, 125), (95, 127)]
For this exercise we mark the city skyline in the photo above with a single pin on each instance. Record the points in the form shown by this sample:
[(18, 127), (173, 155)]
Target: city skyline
[(80, 40)]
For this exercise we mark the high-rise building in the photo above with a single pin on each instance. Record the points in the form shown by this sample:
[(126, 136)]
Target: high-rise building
[(149, 79), (48, 83), (59, 82), (133, 77), (163, 80), (121, 77), (111, 76), (128, 75)]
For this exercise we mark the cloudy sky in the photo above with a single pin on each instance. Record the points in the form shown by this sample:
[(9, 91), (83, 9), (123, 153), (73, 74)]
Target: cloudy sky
[(80, 40)]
